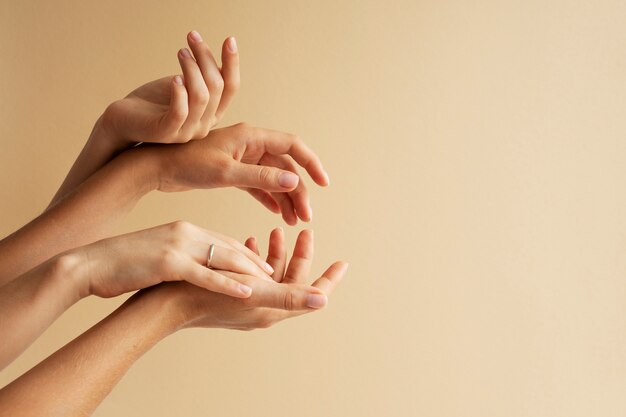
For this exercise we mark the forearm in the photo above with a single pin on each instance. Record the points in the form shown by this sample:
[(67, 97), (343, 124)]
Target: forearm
[(85, 215), (29, 304), (101, 147), (75, 379)]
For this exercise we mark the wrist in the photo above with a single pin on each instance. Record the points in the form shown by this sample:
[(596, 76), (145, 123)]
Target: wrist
[(68, 274), (104, 135), (168, 309)]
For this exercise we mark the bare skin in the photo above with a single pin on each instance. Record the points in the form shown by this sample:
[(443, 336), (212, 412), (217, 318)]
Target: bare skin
[(160, 137), (153, 314)]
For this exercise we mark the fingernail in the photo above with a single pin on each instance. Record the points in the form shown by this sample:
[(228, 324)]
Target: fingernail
[(184, 53), (327, 178), (268, 268), (316, 300), (310, 214), (232, 44), (244, 289), (178, 80), (288, 180), (195, 36)]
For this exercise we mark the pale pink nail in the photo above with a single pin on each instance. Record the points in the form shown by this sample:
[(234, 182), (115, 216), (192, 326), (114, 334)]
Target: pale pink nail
[(244, 289), (195, 36), (232, 44), (184, 53), (178, 80), (268, 268), (288, 180), (316, 300)]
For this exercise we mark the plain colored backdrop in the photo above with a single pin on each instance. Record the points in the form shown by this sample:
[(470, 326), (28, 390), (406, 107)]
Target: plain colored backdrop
[(477, 153)]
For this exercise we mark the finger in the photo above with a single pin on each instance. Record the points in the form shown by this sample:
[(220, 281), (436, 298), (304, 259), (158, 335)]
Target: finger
[(277, 254), (238, 246), (230, 74), (300, 263), (264, 198), (327, 283), (286, 208), (216, 282), (291, 297), (178, 110), (261, 177), (196, 89), (333, 276), (299, 197), (251, 244), (280, 143), (210, 73), (227, 259)]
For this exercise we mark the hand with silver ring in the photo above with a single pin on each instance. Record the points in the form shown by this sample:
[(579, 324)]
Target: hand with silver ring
[(178, 251)]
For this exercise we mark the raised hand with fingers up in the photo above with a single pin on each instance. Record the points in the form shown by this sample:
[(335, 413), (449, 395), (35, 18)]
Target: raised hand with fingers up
[(288, 296)]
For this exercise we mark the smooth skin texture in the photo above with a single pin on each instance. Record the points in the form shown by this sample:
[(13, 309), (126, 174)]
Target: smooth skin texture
[(226, 157), (151, 315), (178, 109), (111, 267), (173, 109)]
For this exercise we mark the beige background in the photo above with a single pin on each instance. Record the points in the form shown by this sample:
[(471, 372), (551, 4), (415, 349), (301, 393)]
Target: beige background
[(478, 159)]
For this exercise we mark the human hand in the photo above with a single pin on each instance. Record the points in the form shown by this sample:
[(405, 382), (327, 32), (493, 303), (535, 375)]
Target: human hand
[(271, 302), (178, 109), (173, 252), (260, 161)]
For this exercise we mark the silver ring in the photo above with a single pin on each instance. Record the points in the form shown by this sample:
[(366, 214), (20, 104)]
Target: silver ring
[(210, 257)]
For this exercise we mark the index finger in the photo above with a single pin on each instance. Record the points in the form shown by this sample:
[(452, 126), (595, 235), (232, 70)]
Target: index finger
[(281, 143)]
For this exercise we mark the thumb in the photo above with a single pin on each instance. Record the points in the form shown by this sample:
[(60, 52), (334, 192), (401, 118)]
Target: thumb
[(264, 177), (290, 297)]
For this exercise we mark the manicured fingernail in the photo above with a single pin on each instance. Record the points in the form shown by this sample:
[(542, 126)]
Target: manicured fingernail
[(244, 289), (288, 180), (316, 300), (268, 268), (327, 178), (232, 44), (195, 36), (178, 80), (184, 53)]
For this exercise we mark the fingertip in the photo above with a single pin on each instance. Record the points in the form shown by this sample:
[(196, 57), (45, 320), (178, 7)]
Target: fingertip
[(194, 36), (244, 291), (184, 53), (339, 268), (325, 181), (288, 180), (231, 44), (177, 80), (316, 301), (250, 242)]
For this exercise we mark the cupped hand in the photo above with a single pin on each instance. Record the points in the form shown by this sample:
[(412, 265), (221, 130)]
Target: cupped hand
[(287, 296), (258, 160), (173, 252), (178, 109)]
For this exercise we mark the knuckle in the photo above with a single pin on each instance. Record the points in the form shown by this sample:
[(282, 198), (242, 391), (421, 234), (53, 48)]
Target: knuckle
[(234, 83), (289, 301), (203, 96), (204, 130), (265, 174), (241, 128), (216, 84), (181, 228)]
